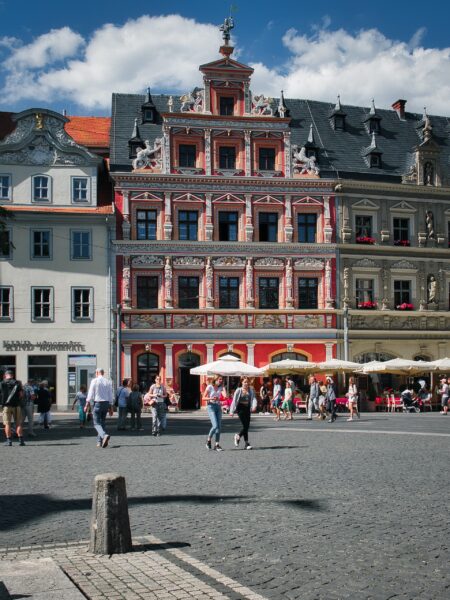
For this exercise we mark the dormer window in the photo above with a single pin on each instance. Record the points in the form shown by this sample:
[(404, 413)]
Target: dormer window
[(226, 105), (375, 161), (339, 122), (135, 141), (373, 120), (374, 126), (310, 152), (337, 116), (148, 109)]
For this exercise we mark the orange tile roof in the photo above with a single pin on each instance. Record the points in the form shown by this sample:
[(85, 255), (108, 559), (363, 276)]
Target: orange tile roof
[(89, 131), (107, 209)]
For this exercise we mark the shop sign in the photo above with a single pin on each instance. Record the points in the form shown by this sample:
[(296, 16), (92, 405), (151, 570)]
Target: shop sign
[(83, 360), (27, 346)]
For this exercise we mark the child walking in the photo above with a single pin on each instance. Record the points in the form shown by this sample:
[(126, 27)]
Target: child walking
[(80, 399)]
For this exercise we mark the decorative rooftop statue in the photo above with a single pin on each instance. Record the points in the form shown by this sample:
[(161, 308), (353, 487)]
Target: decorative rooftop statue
[(144, 155), (192, 101), (225, 28), (261, 106), (304, 164)]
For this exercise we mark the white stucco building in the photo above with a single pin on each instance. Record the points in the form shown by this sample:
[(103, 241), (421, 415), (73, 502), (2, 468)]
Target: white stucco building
[(55, 292)]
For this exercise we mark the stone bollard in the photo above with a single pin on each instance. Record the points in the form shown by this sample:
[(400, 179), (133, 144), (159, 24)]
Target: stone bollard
[(110, 524)]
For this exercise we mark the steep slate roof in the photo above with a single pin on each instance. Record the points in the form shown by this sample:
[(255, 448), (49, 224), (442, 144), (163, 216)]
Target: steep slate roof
[(341, 153)]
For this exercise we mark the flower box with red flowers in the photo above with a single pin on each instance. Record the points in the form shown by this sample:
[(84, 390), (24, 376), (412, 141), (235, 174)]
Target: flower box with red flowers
[(365, 239), (405, 306), (367, 305), (404, 243)]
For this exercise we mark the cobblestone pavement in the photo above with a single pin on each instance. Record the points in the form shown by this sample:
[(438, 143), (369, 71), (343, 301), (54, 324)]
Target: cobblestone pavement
[(316, 511)]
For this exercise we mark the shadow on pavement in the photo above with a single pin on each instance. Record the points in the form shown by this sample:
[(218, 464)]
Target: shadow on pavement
[(22, 508)]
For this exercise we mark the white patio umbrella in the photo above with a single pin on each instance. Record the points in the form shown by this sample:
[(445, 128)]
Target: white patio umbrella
[(289, 366), (335, 365), (442, 364), (228, 366), (398, 366)]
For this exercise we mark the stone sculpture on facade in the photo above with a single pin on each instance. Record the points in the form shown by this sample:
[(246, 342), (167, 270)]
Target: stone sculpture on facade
[(192, 101), (289, 298), (209, 272), (249, 284), (304, 164), (148, 155), (262, 106), (432, 290)]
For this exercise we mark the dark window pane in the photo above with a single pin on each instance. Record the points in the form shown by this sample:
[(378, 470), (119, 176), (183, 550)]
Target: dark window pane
[(187, 155), (147, 291), (228, 226), (227, 157), (5, 303), (363, 226), (5, 244), (226, 105), (268, 227), (268, 292), (307, 227), (187, 225), (267, 159), (401, 230), (41, 244), (188, 288), (364, 291), (228, 292), (307, 292), (402, 292), (82, 303), (146, 225)]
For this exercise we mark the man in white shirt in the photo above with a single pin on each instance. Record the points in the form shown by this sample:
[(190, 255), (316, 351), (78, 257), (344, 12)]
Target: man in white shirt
[(101, 396)]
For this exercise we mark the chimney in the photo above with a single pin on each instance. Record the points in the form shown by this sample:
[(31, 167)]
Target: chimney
[(399, 107)]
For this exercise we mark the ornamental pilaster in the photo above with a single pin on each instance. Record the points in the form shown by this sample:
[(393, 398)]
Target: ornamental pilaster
[(251, 354), (209, 227), (248, 152), (168, 283), (126, 277), (126, 360), (248, 218), (208, 151), (249, 291), (169, 361), (287, 154), (209, 280), (166, 149), (385, 287), (346, 231), (385, 234), (209, 353), (288, 228), (207, 97), (168, 226), (289, 285), (327, 229), (329, 302), (126, 225), (346, 298), (247, 98)]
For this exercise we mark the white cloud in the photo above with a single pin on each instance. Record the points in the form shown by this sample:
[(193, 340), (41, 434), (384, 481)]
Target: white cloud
[(48, 48), (165, 52)]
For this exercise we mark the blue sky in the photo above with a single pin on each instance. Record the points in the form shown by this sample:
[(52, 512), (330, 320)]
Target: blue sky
[(65, 55)]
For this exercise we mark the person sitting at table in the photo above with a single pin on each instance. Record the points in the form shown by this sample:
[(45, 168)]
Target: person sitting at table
[(408, 398)]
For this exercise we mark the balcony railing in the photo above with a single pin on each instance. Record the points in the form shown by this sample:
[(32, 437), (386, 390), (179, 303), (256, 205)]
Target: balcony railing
[(228, 319)]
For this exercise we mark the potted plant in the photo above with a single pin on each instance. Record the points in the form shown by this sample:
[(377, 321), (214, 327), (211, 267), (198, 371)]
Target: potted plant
[(365, 239), (369, 305), (405, 306), (404, 243)]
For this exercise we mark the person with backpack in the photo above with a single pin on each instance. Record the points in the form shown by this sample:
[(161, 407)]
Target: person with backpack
[(136, 404), (122, 396), (11, 393), (264, 394), (157, 394)]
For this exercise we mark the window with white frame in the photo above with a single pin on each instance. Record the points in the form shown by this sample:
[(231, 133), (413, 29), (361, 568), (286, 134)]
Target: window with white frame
[(402, 292), (41, 243), (364, 289), (6, 304), (5, 187), (81, 246), (82, 304), (41, 188), (42, 304), (401, 229), (5, 244), (363, 226), (80, 189)]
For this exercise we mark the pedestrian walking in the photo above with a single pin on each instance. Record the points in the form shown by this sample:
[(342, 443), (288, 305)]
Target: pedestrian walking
[(101, 396), (80, 400), (330, 396), (212, 396), (264, 394), (244, 403), (444, 394), (157, 394), (11, 397), (122, 395), (352, 401), (314, 393), (44, 403), (28, 399), (287, 405), (136, 404), (277, 398)]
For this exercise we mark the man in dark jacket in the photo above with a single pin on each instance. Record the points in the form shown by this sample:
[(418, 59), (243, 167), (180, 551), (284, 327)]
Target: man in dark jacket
[(11, 395), (331, 399)]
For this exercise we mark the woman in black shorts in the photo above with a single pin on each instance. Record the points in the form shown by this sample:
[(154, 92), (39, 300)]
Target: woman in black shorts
[(244, 403)]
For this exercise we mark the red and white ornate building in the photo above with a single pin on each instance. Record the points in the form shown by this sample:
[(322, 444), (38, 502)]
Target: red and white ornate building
[(226, 234)]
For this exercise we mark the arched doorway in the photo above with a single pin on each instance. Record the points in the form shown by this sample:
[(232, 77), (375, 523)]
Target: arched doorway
[(148, 369), (189, 384)]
